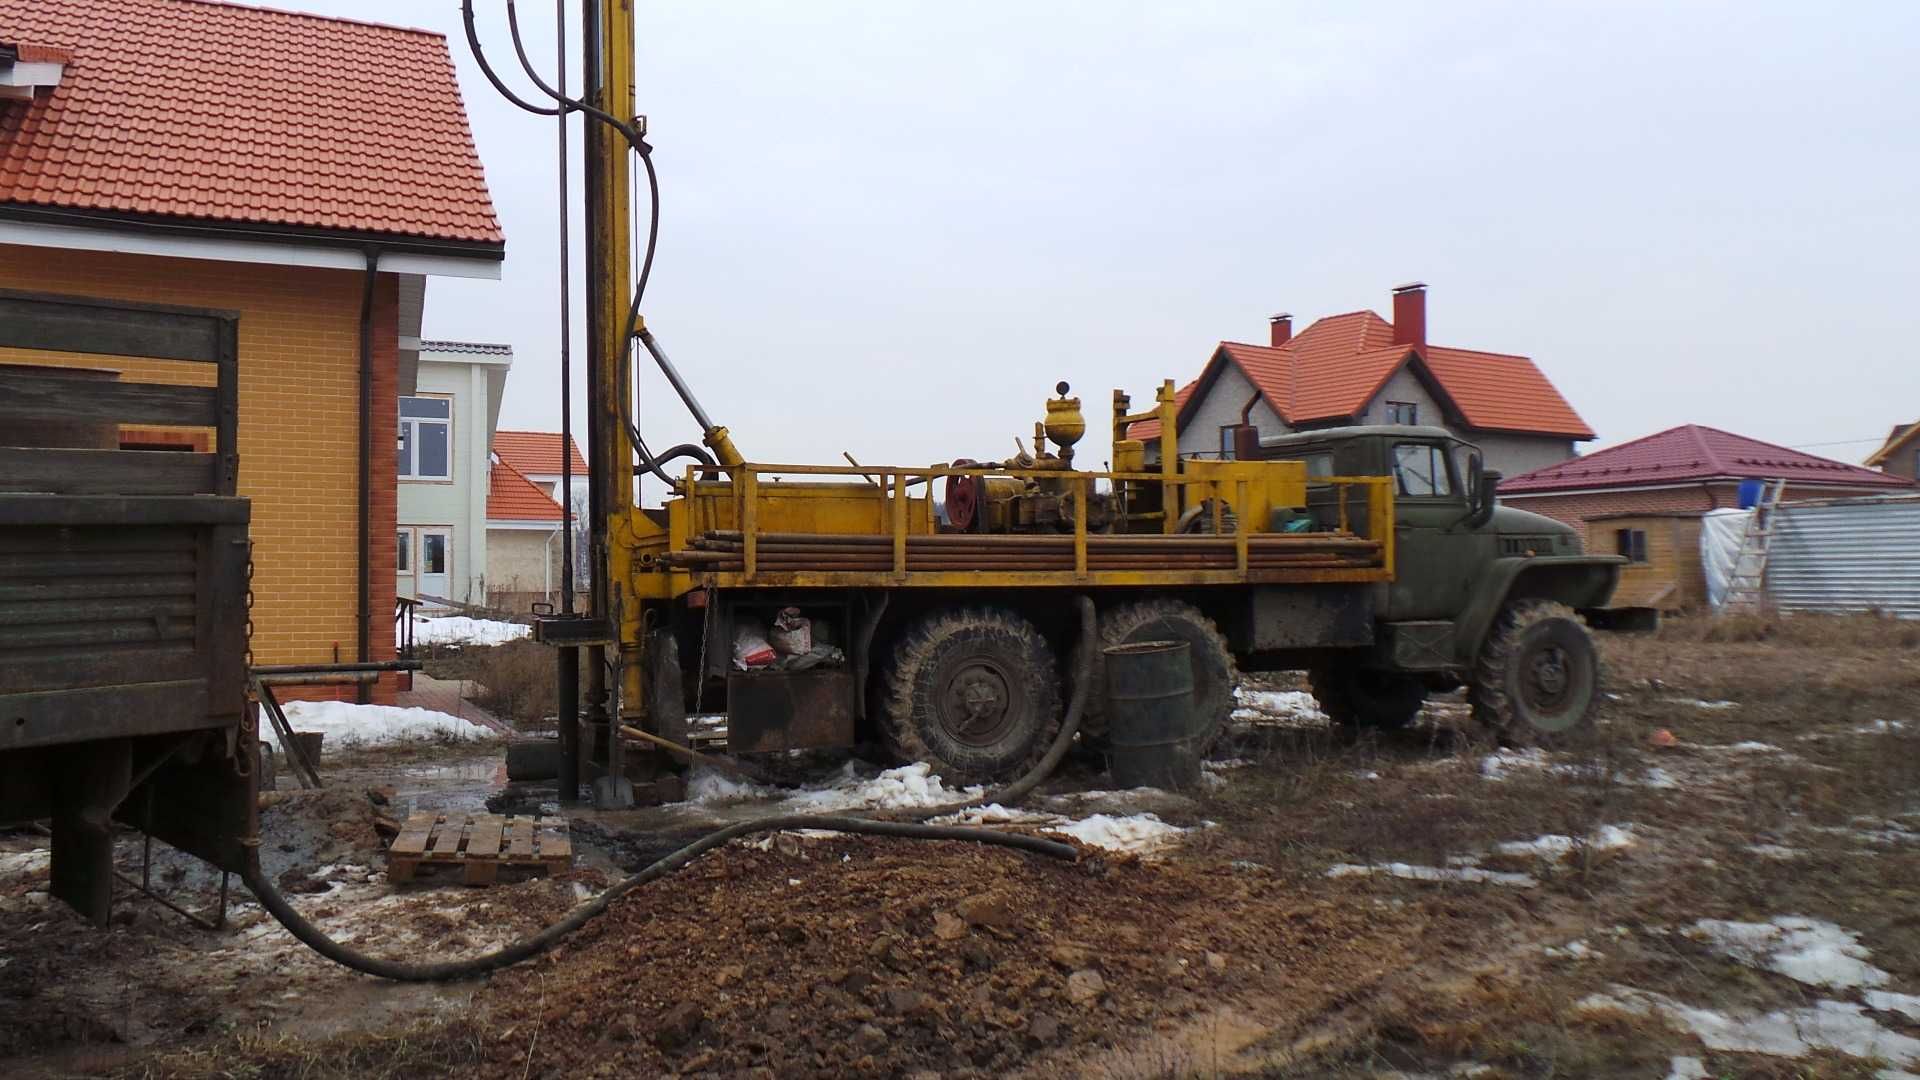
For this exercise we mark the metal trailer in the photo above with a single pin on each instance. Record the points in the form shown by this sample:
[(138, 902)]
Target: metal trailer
[(123, 592)]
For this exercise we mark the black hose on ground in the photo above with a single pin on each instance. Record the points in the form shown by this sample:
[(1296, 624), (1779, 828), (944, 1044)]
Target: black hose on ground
[(527, 948)]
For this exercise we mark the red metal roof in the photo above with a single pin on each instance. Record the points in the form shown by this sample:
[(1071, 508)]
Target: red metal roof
[(1330, 370), (1692, 453), (536, 453), (513, 497), (220, 113)]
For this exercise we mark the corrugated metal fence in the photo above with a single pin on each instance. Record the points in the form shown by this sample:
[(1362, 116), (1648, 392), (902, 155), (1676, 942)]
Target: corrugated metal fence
[(1847, 555)]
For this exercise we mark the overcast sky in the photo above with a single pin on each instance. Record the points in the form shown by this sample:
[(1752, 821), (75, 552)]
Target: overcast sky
[(890, 227)]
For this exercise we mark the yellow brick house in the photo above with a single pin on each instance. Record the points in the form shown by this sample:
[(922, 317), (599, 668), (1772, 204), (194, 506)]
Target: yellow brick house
[(332, 175)]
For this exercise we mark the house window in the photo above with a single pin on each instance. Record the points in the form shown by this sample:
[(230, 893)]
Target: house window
[(1319, 465), (1421, 469), (403, 551), (1632, 543), (426, 438), (433, 553), (1403, 412), (1227, 432)]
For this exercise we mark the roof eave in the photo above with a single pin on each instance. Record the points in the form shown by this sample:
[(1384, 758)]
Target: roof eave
[(484, 250)]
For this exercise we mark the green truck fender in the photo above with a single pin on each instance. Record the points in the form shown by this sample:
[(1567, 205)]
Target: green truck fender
[(1578, 581)]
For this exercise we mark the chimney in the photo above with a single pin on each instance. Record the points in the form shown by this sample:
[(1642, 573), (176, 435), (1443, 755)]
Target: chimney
[(1280, 327), (1410, 313), (29, 69)]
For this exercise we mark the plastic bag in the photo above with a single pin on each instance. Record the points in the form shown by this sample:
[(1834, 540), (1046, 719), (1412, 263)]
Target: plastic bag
[(792, 633), (750, 646)]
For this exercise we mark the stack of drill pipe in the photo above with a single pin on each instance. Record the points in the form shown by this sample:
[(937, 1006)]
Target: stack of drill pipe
[(725, 551)]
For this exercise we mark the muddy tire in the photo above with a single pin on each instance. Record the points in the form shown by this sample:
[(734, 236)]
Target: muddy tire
[(1538, 679), (973, 692), (1354, 697), (1214, 672)]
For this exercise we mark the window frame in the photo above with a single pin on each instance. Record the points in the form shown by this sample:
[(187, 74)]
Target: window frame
[(403, 550), (1631, 543), (1436, 452), (1228, 438), (1413, 413), (407, 439)]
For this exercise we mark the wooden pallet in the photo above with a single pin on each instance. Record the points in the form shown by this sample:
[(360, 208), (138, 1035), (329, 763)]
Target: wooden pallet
[(480, 845)]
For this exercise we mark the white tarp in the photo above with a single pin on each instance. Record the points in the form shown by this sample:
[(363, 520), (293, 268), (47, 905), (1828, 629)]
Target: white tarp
[(1721, 532)]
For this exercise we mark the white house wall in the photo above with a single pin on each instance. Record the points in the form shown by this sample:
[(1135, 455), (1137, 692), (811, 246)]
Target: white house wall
[(1515, 454), (461, 504), (1220, 408)]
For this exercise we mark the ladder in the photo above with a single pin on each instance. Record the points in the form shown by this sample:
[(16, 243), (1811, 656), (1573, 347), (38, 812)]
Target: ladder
[(1746, 585)]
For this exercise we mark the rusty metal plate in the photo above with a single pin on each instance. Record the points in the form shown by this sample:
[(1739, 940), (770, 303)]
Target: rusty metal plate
[(789, 710)]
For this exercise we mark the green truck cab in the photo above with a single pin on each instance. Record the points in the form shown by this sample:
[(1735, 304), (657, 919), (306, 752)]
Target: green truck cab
[(1482, 595)]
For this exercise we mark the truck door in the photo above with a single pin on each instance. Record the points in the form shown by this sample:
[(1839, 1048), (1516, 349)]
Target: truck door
[(1434, 552)]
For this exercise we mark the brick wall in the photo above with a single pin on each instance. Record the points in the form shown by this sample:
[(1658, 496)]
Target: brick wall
[(299, 438)]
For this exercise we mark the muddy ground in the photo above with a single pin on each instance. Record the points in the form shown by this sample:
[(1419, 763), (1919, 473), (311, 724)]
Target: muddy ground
[(1722, 883)]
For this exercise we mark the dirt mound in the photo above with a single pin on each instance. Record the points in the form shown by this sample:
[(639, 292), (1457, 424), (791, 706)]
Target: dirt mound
[(869, 957)]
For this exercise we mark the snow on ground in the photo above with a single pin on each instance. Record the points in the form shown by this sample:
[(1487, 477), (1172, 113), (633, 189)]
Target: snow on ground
[(1434, 873), (1553, 846), (1134, 832), (1288, 705), (1496, 766), (1806, 950), (1698, 704), (461, 630), (346, 724), (906, 787), (1687, 1068), (1907, 1005), (1826, 1025), (24, 863)]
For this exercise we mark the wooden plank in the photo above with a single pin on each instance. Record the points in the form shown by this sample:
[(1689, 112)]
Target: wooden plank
[(483, 840), (447, 836), (106, 472), (84, 324), (414, 834), (25, 396), (555, 843), (126, 510), (58, 717), (519, 838)]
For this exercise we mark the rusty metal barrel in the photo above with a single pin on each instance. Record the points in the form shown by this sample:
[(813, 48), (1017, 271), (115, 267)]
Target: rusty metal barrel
[(1153, 731)]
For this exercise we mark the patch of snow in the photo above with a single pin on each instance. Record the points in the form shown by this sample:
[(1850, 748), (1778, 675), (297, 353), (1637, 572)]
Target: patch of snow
[(1895, 1074), (347, 724), (461, 630), (1827, 1025), (1748, 747), (1223, 766), (1573, 950), (1287, 704), (1135, 832), (1881, 727), (706, 785), (1806, 950), (1907, 1005), (1656, 777), (1775, 851), (1497, 765), (1434, 873), (906, 787), (24, 862), (1554, 846), (1699, 704), (1687, 1068)]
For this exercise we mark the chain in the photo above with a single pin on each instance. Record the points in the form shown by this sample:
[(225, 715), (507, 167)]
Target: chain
[(700, 672), (249, 605)]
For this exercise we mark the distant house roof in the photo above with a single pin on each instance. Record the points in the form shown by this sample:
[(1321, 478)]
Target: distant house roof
[(191, 110), (513, 497), (1691, 453), (480, 348), (1333, 368), (536, 453), (1902, 435)]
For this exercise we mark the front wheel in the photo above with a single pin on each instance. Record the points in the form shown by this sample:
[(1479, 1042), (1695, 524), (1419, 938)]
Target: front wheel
[(974, 693), (1539, 676)]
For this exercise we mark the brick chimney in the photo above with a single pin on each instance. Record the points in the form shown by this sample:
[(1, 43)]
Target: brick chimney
[(1410, 314), (1280, 327)]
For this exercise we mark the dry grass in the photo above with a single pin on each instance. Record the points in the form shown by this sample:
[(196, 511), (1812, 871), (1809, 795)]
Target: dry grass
[(519, 680), (427, 1048), (1818, 631)]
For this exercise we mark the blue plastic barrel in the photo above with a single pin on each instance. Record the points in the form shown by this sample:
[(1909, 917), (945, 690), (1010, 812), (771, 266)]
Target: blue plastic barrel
[(1750, 490)]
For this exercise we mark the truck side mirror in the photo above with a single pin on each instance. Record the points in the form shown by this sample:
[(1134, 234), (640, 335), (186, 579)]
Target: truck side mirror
[(1483, 485)]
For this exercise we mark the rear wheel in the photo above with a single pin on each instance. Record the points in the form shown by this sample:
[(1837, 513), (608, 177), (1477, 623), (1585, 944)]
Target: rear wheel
[(1539, 676), (1352, 696), (1214, 672), (974, 693)]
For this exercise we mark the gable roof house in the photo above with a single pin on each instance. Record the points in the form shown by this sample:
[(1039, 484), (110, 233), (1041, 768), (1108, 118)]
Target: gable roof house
[(306, 173), (537, 455), (1358, 368), (1900, 454), (523, 540), (446, 427)]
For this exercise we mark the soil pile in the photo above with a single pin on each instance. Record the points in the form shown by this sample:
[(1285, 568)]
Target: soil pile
[(861, 956)]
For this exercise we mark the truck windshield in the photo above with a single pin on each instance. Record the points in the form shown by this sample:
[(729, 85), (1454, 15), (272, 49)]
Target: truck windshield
[(1421, 470)]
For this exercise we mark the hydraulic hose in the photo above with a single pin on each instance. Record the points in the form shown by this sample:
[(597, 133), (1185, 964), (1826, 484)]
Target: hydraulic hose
[(912, 829)]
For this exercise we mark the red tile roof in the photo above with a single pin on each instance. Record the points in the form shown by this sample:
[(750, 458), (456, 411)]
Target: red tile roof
[(1693, 453), (190, 109), (513, 497), (536, 453), (1332, 369)]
